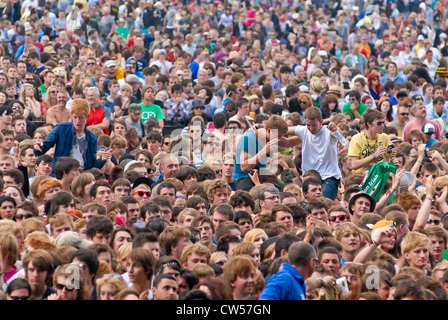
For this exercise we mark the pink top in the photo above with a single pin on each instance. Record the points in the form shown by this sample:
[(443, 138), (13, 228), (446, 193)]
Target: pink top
[(250, 18), (414, 126)]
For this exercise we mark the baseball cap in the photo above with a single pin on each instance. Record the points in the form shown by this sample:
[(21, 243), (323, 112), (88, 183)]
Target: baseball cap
[(132, 78), (420, 37), (135, 108), (162, 51), (72, 239), (277, 109), (428, 128), (197, 103), (110, 63)]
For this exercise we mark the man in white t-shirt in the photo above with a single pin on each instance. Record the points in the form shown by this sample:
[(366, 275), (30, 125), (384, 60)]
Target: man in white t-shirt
[(320, 147)]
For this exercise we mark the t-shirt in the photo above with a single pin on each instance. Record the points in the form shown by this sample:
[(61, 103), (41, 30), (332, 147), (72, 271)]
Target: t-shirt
[(153, 111), (412, 125), (361, 109), (250, 144), (399, 128), (361, 147), (79, 145), (321, 151)]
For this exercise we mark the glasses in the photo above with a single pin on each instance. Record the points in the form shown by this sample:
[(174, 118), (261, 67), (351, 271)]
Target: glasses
[(166, 143), (166, 212), (218, 171), (142, 193), (151, 170), (91, 63), (302, 102), (24, 216), (375, 79), (287, 151), (53, 92), (81, 265), (256, 102), (17, 107), (195, 130), (19, 298), (29, 79), (340, 218), (272, 198), (404, 114), (69, 288), (380, 123), (436, 222)]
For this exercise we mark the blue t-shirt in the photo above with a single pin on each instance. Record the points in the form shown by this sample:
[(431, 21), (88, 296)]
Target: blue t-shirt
[(286, 284), (248, 143)]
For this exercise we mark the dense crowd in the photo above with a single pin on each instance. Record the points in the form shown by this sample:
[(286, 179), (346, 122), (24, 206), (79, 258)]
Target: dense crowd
[(223, 150)]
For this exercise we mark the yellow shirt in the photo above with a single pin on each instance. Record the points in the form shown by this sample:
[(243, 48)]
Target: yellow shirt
[(361, 147)]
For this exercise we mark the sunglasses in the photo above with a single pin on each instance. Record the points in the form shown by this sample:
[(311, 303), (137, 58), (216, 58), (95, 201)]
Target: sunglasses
[(166, 143), (287, 151), (53, 92), (404, 114), (142, 193), (375, 79), (24, 216), (16, 107), (340, 218), (380, 123), (195, 131), (302, 102), (69, 288), (19, 298), (436, 222), (91, 63), (151, 170), (218, 171)]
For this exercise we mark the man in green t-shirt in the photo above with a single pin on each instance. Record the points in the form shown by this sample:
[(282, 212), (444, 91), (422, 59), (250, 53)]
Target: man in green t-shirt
[(355, 107), (122, 29), (48, 77), (149, 109)]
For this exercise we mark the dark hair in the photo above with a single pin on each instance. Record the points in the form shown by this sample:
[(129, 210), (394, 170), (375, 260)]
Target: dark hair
[(99, 224), (88, 257), (310, 181), (17, 284), (61, 198), (64, 165), (142, 238)]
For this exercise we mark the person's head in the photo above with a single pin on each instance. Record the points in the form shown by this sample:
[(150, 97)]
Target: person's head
[(218, 191), (169, 165), (99, 229), (374, 119), (80, 111), (239, 275), (313, 119), (268, 197), (303, 255), (39, 266), (415, 248), (101, 192), (174, 239), (18, 289), (312, 188), (48, 188), (69, 288), (140, 265), (418, 110), (194, 254), (165, 287)]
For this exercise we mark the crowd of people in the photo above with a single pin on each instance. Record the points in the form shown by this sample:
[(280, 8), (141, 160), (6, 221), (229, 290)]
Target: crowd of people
[(223, 150)]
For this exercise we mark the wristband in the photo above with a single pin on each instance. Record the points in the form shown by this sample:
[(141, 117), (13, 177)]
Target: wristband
[(430, 199), (323, 282)]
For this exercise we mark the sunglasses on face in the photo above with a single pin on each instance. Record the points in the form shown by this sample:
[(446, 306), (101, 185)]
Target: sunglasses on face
[(62, 286), (380, 123), (404, 114), (436, 221), (23, 216), (142, 193), (340, 218), (166, 143), (151, 170)]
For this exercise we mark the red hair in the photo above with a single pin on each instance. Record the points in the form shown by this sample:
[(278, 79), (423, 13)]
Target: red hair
[(369, 82)]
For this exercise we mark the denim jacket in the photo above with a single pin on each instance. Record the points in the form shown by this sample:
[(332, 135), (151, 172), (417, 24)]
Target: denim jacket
[(62, 136)]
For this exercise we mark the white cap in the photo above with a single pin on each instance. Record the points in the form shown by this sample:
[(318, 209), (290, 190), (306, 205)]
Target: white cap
[(420, 37)]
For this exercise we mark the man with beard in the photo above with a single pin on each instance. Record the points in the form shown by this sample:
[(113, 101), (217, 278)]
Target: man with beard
[(60, 113)]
